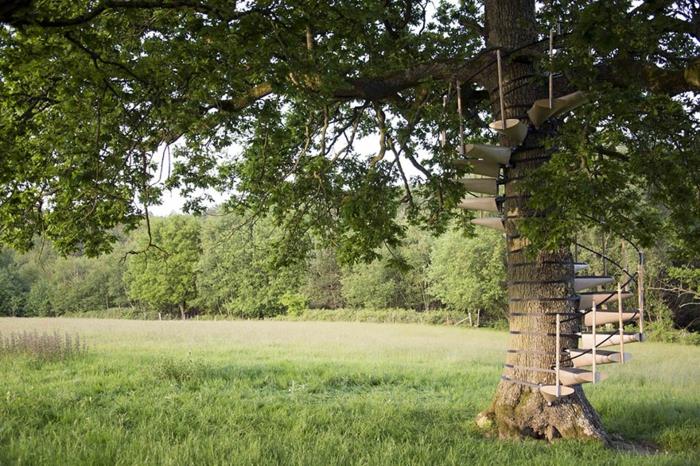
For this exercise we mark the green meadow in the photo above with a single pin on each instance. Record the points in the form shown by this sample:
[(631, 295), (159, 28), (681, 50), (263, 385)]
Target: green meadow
[(312, 393)]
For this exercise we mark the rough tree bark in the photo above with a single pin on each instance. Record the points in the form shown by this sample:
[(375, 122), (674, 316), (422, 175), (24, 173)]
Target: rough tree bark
[(539, 284)]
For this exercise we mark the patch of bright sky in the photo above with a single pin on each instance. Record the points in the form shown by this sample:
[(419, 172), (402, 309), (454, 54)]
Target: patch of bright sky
[(172, 201)]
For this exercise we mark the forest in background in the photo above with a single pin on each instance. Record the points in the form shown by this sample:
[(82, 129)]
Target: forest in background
[(222, 265)]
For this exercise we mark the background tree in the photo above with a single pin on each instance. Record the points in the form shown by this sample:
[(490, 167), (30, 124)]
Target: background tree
[(92, 92), (238, 272), (414, 257), (13, 288), (372, 285), (164, 276), (323, 285), (467, 273)]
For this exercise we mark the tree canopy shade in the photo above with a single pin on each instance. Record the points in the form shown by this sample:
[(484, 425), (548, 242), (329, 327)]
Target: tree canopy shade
[(164, 276), (467, 274), (94, 93)]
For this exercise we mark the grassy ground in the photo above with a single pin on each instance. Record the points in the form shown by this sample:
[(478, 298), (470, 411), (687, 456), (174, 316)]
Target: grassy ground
[(311, 393)]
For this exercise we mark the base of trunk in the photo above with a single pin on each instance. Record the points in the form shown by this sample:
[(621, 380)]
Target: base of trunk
[(521, 411)]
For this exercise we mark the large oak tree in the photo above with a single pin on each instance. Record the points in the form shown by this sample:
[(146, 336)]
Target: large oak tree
[(264, 100)]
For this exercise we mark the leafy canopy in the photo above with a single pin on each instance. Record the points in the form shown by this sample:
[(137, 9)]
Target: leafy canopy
[(265, 100)]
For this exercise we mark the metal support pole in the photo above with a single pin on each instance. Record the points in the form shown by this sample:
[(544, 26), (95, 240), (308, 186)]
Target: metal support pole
[(621, 324), (558, 345), (640, 292), (551, 74), (443, 132), (605, 253), (625, 262), (500, 89), (461, 119), (595, 343)]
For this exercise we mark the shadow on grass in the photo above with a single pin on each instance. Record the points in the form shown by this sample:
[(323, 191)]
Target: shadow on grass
[(672, 425)]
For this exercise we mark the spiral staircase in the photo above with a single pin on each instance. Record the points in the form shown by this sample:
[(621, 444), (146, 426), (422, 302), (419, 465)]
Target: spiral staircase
[(574, 366)]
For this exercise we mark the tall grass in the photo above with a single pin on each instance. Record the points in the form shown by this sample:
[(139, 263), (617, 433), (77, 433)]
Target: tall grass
[(44, 346), (313, 393)]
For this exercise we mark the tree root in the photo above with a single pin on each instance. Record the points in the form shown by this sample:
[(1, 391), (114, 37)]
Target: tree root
[(519, 411)]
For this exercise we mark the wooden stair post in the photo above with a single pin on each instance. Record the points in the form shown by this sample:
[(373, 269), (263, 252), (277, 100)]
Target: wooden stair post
[(558, 346), (594, 341), (620, 323), (640, 292)]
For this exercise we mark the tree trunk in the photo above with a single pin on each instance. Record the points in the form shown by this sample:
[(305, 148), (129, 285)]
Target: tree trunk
[(183, 307), (540, 283)]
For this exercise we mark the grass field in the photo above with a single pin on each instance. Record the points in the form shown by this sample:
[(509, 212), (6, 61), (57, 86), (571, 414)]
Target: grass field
[(311, 393)]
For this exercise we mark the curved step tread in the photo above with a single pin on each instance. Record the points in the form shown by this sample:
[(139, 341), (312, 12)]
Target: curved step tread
[(481, 185), (495, 223), (581, 358), (587, 299), (587, 339), (576, 376), (514, 130), (495, 154), (582, 282), (479, 167), (518, 244), (578, 266), (608, 317), (489, 204), (549, 392), (541, 112)]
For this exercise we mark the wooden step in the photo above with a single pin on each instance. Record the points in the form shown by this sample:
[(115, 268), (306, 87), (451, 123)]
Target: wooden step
[(496, 223), (518, 244), (578, 266), (601, 357), (514, 130), (575, 376), (481, 185), (549, 392), (495, 154), (587, 339), (587, 299), (541, 112), (479, 167), (607, 317), (489, 204), (581, 283)]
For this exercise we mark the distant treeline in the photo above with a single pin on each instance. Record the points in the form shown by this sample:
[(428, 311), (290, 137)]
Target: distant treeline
[(219, 264), (224, 265)]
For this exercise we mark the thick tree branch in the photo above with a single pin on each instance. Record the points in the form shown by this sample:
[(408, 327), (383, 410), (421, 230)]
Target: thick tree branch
[(243, 100), (372, 89), (19, 15), (382, 87), (18, 12), (622, 72)]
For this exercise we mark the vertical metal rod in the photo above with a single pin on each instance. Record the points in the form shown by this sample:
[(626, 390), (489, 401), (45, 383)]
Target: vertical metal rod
[(625, 262), (551, 74), (640, 292), (461, 119), (595, 343), (500, 89), (622, 329), (443, 132), (558, 345), (605, 253)]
